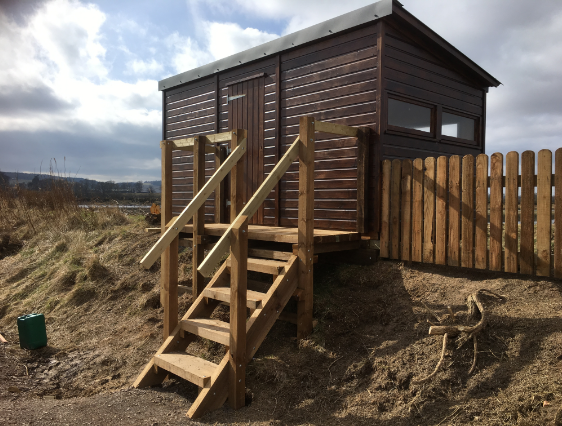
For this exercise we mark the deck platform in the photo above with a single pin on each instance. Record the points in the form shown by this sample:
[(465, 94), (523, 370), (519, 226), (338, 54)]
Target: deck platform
[(278, 234)]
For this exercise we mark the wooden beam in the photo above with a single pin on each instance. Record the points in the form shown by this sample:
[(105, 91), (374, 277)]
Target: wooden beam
[(198, 280), (169, 256), (362, 178), (192, 207), (337, 129), (306, 225), (237, 178), (220, 155), (269, 254), (252, 206), (238, 294), (188, 144)]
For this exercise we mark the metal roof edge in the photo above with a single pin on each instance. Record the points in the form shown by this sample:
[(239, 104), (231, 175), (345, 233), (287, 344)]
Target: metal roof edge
[(335, 25)]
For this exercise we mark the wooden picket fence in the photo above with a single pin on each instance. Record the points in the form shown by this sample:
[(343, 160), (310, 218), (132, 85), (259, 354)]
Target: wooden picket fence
[(452, 212)]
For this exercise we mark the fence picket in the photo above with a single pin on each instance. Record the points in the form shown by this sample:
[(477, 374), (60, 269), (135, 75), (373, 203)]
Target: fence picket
[(395, 209), (467, 230), (417, 209), (385, 207), (481, 219), (496, 213), (527, 256), (441, 212), (406, 208), (558, 214), (454, 209), (511, 211), (429, 210), (544, 213)]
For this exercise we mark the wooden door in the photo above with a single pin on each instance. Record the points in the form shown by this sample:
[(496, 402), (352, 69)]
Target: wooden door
[(246, 111)]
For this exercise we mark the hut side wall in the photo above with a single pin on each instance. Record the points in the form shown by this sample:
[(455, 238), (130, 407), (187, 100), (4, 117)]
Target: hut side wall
[(412, 73), (333, 80)]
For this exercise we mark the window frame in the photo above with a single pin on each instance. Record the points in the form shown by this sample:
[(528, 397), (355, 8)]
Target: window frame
[(476, 119), (404, 130)]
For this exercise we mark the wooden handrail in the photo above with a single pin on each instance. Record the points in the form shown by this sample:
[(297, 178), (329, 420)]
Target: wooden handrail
[(199, 199), (221, 247), (337, 129)]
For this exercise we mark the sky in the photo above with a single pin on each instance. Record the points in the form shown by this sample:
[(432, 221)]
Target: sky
[(78, 79)]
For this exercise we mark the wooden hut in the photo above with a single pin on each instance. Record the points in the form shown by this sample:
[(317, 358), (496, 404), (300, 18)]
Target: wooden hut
[(377, 66)]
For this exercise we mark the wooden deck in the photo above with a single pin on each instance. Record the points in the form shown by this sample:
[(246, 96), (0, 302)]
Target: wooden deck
[(279, 234)]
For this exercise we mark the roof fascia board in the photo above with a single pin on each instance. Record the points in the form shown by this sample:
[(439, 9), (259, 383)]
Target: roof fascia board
[(332, 26), (401, 13)]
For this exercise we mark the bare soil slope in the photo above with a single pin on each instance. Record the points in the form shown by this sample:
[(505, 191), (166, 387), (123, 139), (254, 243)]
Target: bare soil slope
[(371, 341)]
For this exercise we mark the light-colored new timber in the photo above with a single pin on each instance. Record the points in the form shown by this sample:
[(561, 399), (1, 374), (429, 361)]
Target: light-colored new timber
[(265, 266), (188, 145), (212, 329), (251, 206), (270, 254), (198, 201), (196, 370), (336, 129), (254, 298)]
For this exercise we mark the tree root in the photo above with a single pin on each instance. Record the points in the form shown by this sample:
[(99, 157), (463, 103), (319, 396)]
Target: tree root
[(465, 333)]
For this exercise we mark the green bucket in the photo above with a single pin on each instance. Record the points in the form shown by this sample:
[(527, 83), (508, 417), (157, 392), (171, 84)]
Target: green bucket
[(32, 331)]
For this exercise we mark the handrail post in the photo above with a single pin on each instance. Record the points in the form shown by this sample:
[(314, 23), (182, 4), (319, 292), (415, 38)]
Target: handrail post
[(169, 258), (220, 154), (306, 226), (198, 280), (237, 177), (238, 295)]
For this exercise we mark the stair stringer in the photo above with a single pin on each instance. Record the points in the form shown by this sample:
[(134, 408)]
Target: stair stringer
[(202, 307), (257, 327)]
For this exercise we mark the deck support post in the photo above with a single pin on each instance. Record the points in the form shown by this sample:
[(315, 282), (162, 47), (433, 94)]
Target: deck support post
[(306, 226), (237, 176), (363, 137), (169, 258), (220, 155), (238, 295), (198, 280)]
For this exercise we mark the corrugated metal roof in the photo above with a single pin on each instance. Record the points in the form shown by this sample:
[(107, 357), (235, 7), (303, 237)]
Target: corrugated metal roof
[(332, 26)]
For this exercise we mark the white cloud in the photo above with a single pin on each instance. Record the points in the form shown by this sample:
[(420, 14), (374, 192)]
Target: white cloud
[(60, 47), (140, 67), (186, 53), (226, 39)]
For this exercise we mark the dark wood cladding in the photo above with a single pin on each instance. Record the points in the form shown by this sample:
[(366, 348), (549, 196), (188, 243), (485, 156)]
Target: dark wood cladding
[(412, 73), (345, 78)]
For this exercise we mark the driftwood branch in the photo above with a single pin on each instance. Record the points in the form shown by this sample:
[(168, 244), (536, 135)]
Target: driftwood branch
[(465, 333)]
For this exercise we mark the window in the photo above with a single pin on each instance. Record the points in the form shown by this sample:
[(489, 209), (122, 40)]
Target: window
[(409, 116), (457, 126)]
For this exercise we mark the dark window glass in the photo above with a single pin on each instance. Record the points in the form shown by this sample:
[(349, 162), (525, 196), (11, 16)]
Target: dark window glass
[(410, 116), (457, 126)]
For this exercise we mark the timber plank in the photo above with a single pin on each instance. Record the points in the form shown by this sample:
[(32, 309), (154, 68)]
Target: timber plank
[(544, 200), (395, 209), (527, 251), (441, 212), (496, 211), (265, 266), (511, 211), (454, 210), (385, 208), (467, 224), (558, 214), (429, 210), (417, 210), (406, 209), (191, 368), (481, 219)]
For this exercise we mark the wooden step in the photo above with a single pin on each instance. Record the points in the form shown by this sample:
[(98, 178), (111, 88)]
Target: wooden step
[(212, 329), (253, 298), (266, 266), (188, 367)]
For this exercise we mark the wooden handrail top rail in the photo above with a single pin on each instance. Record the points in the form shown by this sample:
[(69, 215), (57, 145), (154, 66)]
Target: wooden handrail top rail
[(187, 143), (337, 129), (221, 247), (199, 199)]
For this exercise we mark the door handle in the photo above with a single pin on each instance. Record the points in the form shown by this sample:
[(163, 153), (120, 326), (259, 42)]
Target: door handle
[(231, 98)]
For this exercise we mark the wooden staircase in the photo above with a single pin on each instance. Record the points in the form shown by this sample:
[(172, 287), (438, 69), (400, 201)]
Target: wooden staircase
[(213, 379)]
